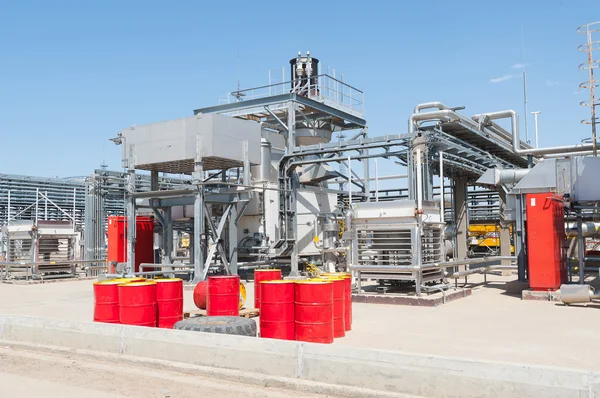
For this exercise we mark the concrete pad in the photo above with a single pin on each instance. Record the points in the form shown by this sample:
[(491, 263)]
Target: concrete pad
[(425, 300), (536, 295)]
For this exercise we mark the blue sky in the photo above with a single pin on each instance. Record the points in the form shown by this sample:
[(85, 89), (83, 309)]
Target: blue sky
[(74, 73)]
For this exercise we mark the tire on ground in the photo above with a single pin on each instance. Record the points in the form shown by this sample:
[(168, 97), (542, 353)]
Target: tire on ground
[(234, 325)]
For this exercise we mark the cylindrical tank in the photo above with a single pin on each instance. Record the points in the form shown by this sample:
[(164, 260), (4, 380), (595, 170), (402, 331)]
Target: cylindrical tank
[(223, 295), (348, 296), (314, 311), (263, 171), (200, 294), (261, 275), (277, 320), (339, 303), (169, 302), (137, 303), (106, 301)]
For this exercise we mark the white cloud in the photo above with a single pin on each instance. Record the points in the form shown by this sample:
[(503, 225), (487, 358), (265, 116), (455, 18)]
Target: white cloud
[(518, 66), (502, 78), (550, 83)]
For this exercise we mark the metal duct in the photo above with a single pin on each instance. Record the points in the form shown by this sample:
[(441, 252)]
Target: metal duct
[(498, 176), (516, 139)]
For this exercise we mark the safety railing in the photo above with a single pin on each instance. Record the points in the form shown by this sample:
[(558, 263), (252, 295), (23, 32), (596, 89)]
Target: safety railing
[(322, 88)]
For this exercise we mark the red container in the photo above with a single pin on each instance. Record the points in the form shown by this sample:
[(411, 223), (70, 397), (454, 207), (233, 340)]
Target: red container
[(223, 295), (546, 239), (137, 303), (348, 303), (277, 319), (117, 241), (314, 311), (339, 301), (261, 275), (106, 301), (200, 294), (348, 296), (169, 302)]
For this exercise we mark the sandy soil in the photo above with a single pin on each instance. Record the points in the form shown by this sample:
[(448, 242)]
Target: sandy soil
[(27, 374)]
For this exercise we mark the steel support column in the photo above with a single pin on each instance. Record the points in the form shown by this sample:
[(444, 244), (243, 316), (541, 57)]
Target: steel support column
[(504, 230), (197, 177), (462, 221), (580, 248), (131, 221), (520, 239), (233, 239)]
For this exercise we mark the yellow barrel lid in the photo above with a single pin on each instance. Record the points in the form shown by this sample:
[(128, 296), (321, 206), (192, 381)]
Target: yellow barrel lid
[(314, 281), (168, 280), (279, 281), (266, 269), (146, 283)]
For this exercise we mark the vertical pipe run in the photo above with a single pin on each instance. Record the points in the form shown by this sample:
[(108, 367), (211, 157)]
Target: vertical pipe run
[(441, 186), (46, 205), (349, 183), (580, 247), (419, 182)]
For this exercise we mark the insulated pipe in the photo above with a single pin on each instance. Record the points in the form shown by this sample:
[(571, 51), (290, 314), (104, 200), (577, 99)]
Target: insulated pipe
[(429, 105), (512, 176), (441, 114), (442, 186), (589, 229), (516, 139), (419, 182)]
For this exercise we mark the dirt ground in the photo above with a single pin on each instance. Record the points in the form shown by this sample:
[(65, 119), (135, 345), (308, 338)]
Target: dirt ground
[(27, 374)]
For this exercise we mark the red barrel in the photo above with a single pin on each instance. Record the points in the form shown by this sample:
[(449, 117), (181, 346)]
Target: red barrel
[(169, 302), (348, 295), (339, 301), (261, 275), (200, 293), (314, 311), (277, 303), (223, 295), (137, 303), (106, 301)]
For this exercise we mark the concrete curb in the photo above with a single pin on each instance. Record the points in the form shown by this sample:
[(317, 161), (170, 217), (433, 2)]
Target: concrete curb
[(379, 370)]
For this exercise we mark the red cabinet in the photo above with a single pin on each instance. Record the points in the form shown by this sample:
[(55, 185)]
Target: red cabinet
[(546, 241), (117, 241)]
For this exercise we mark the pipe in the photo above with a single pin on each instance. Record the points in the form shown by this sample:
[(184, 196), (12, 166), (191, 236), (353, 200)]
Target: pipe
[(480, 270), (429, 105), (430, 266), (516, 139), (589, 229), (442, 186), (349, 183), (419, 182)]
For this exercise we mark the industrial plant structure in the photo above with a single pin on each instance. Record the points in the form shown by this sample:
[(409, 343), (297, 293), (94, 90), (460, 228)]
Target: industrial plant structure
[(255, 181)]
